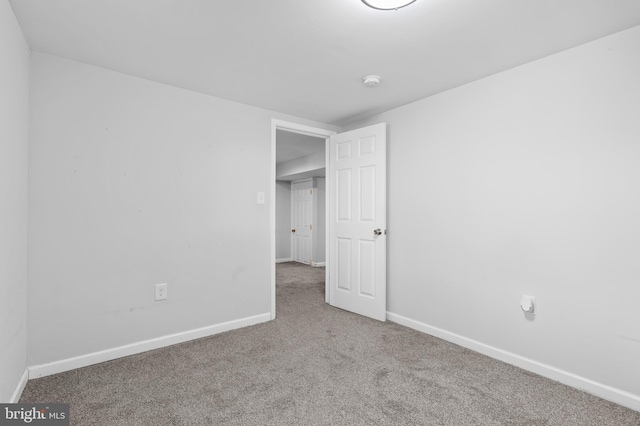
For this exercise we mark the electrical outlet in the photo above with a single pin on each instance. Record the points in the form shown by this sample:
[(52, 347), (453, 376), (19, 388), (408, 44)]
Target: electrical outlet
[(161, 291)]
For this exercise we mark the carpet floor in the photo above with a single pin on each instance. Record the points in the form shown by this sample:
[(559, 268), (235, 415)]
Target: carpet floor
[(317, 365)]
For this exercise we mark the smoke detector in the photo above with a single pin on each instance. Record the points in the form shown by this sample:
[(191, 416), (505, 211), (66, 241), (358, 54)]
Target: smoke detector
[(371, 80)]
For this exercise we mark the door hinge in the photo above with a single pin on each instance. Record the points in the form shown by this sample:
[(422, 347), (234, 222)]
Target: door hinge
[(310, 227), (311, 191)]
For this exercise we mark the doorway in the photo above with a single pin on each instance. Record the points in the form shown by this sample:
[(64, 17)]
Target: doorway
[(304, 168), (355, 250)]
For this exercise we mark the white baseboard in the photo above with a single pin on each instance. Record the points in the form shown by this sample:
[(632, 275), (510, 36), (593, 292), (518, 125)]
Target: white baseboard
[(318, 264), (55, 367), (598, 389), (20, 388), (288, 259)]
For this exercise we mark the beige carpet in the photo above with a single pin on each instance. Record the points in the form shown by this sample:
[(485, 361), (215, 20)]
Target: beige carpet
[(317, 365)]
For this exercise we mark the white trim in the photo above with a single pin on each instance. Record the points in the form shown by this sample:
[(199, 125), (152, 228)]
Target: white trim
[(318, 264), (55, 367), (20, 387), (603, 391), (288, 259), (291, 238), (272, 221), (327, 215), (303, 130)]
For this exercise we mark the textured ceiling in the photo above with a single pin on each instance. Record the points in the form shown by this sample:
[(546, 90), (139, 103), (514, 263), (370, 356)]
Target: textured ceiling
[(307, 58)]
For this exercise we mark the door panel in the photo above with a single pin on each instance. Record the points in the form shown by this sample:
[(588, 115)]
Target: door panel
[(357, 208), (343, 264)]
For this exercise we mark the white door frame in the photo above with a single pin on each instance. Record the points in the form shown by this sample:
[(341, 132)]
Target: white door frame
[(308, 131)]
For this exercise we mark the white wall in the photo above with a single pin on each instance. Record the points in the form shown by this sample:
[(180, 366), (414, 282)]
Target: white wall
[(14, 142), (283, 220), (526, 182), (135, 183)]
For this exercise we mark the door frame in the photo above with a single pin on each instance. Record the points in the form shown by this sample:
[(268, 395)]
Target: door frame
[(308, 131)]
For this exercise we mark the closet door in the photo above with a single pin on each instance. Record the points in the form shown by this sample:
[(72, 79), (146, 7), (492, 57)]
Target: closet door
[(301, 226)]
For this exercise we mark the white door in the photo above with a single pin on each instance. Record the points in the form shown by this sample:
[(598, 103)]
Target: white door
[(357, 221), (302, 202)]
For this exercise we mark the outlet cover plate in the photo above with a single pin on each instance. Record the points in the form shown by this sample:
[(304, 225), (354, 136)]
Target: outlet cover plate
[(161, 291)]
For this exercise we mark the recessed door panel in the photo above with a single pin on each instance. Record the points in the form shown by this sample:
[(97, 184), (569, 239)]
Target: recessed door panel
[(343, 150), (343, 195), (367, 193), (367, 146), (343, 250), (366, 262)]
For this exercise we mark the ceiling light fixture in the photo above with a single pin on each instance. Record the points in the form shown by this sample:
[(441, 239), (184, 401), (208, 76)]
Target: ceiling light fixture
[(387, 4), (371, 80)]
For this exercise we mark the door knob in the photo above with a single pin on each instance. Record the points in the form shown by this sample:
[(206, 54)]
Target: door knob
[(293, 230), (377, 232)]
